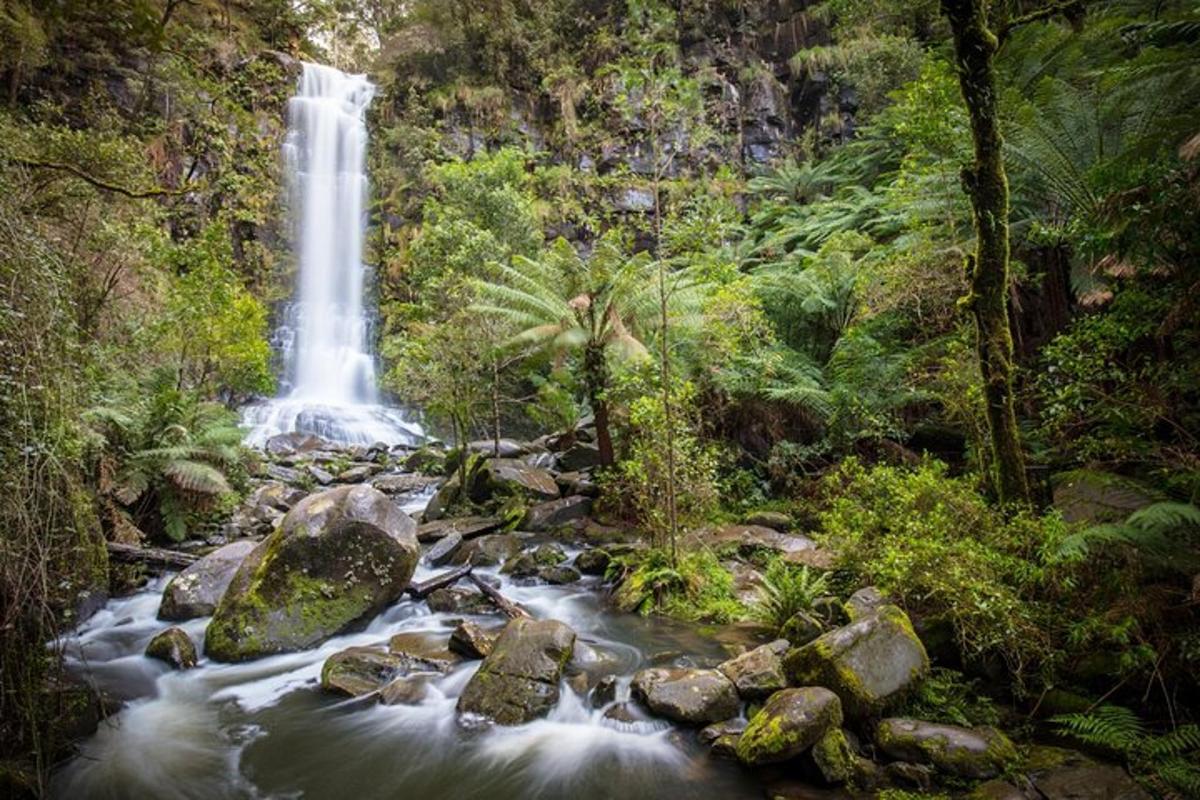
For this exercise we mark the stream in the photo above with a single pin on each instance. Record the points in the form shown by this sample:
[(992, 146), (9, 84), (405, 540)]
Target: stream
[(265, 729)]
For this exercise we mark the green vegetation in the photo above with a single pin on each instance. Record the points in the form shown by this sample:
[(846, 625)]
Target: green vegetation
[(787, 590), (1167, 760)]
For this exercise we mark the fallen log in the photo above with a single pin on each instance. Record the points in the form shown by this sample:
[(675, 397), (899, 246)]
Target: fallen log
[(422, 589), (151, 556), (510, 609)]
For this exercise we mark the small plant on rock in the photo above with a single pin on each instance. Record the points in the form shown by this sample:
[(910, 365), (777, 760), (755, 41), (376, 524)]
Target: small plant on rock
[(786, 590)]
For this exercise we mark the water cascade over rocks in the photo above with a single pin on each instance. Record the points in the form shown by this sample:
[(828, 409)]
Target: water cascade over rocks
[(328, 383)]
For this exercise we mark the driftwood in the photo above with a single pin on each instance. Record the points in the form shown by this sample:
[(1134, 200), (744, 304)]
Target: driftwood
[(510, 609), (422, 589), (151, 556)]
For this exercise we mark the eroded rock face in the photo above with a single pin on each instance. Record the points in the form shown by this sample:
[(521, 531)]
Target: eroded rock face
[(196, 591), (969, 753), (791, 722), (869, 663), (337, 558), (692, 696), (758, 673), (175, 647), (518, 681)]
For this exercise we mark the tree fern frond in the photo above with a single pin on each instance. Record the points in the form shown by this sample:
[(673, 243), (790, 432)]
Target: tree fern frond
[(194, 476)]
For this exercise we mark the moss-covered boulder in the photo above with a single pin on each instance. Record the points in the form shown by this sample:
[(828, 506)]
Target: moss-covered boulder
[(196, 591), (357, 671), (518, 681), (758, 673), (869, 663), (175, 647), (337, 558), (834, 756), (427, 460), (801, 628), (791, 722), (690, 696), (969, 753), (508, 477), (593, 562), (559, 575)]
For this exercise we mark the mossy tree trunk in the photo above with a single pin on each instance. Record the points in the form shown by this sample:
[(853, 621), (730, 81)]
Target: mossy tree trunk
[(986, 185), (595, 376)]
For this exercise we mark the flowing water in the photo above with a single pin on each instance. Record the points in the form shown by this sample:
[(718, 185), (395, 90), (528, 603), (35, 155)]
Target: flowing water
[(328, 386), (265, 729)]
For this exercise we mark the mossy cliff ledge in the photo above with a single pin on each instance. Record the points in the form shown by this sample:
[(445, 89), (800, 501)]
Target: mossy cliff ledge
[(337, 558)]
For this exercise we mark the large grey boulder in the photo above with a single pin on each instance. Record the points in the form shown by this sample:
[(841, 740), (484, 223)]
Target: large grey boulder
[(519, 680), (555, 514), (758, 673), (487, 551), (969, 753), (196, 591), (869, 663), (502, 477), (337, 558), (791, 722), (692, 696)]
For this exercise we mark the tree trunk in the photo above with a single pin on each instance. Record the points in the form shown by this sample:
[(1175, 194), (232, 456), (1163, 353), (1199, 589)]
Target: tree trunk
[(987, 187), (495, 407), (665, 354), (595, 375)]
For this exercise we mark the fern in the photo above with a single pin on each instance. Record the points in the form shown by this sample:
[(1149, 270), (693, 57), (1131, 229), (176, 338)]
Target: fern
[(1168, 760), (1162, 534), (787, 590), (1109, 727)]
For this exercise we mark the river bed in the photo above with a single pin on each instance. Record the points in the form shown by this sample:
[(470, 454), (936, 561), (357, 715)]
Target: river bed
[(265, 729)]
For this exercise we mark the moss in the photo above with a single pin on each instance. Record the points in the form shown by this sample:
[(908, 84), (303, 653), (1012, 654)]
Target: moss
[(834, 756)]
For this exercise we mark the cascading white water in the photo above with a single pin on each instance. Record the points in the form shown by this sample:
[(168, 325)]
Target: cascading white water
[(328, 384)]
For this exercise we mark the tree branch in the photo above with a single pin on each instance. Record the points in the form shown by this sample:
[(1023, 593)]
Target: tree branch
[(99, 183), (1068, 8)]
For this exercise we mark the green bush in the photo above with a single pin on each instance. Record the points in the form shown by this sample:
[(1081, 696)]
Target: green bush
[(931, 541)]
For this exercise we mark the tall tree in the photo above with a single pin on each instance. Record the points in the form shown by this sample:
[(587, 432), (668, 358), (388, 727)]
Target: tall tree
[(986, 184)]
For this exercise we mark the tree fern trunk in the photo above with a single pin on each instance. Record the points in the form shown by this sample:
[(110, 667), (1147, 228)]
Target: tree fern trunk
[(987, 187)]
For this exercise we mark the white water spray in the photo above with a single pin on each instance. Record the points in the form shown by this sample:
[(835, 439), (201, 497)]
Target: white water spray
[(328, 386)]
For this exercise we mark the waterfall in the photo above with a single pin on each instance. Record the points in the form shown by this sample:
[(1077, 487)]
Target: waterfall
[(328, 382)]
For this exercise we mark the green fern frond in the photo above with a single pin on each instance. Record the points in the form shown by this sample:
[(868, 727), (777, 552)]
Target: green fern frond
[(1113, 727), (193, 476)]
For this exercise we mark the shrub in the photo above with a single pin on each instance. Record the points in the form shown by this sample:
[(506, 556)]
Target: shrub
[(642, 475), (933, 543)]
